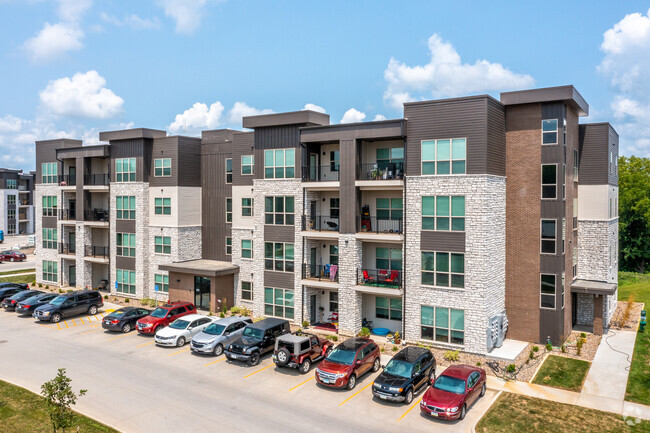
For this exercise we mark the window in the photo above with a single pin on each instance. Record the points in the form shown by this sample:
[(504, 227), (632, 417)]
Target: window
[(549, 131), (126, 244), (334, 208), (443, 213), (246, 291), (389, 208), (563, 282), (334, 302), (247, 249), (443, 156), (125, 170), (162, 167), (163, 206), (228, 210), (388, 258), (49, 205), (563, 233), (49, 238), (278, 257), (228, 170), (126, 281), (125, 207), (574, 260), (279, 210), (162, 281), (390, 155), (335, 157), (11, 214), (228, 246), (12, 184), (563, 181), (11, 228), (247, 164), (246, 207), (549, 236), (49, 172), (445, 325), (50, 271), (443, 269), (549, 181), (547, 291), (11, 200), (334, 255), (278, 302), (163, 244), (388, 308), (279, 164), (575, 165)]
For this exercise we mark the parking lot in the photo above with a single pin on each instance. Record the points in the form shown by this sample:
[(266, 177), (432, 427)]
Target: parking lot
[(135, 386)]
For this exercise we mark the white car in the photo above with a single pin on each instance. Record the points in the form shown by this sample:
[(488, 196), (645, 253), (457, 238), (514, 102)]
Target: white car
[(182, 330)]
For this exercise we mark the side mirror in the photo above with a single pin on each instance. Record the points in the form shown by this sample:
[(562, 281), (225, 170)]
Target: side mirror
[(226, 333), (189, 328), (358, 362)]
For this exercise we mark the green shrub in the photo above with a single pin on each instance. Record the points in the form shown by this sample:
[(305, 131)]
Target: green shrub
[(126, 300), (579, 347), (563, 348), (364, 333), (452, 355), (549, 347), (478, 364), (235, 310), (33, 283), (60, 291), (531, 354), (222, 315), (583, 335), (535, 349), (394, 348), (382, 349), (40, 285), (511, 368), (47, 287), (305, 324), (224, 309), (105, 296)]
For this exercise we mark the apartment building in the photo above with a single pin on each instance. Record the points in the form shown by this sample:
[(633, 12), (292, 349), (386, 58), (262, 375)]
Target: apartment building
[(16, 202), (459, 224)]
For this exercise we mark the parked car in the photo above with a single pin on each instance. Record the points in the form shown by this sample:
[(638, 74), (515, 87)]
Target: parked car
[(163, 316), (12, 256), (454, 391), (257, 339), (348, 362), (407, 373), (300, 350), (11, 302), (7, 290), (28, 306), (182, 330), (218, 335), (123, 319), (70, 304)]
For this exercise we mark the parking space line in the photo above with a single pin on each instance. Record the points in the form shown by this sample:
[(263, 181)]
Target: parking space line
[(88, 332), (214, 362), (66, 324), (146, 344), (355, 394), (121, 336), (302, 383), (261, 369), (180, 351), (409, 409), (82, 319), (58, 325)]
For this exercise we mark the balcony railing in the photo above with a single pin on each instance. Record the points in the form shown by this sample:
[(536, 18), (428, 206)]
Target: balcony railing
[(67, 214), (320, 272), (67, 248), (321, 173), (96, 251), (380, 278), (22, 188), (382, 171), (100, 215), (67, 179), (320, 223), (97, 179), (373, 224)]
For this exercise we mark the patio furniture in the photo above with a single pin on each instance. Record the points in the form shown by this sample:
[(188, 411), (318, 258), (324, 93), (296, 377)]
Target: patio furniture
[(332, 226), (367, 278), (393, 276)]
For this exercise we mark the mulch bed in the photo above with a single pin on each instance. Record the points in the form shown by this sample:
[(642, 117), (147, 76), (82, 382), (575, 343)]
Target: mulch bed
[(632, 321)]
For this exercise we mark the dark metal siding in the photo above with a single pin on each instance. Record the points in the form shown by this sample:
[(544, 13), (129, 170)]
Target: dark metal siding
[(48, 222), (349, 206), (442, 241), (140, 149), (281, 280), (214, 192), (242, 144), (496, 138), (613, 147), (125, 226), (126, 263), (189, 161), (273, 233), (165, 148), (278, 137), (596, 141)]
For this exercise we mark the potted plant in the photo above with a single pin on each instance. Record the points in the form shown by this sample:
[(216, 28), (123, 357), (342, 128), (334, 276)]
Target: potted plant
[(397, 338)]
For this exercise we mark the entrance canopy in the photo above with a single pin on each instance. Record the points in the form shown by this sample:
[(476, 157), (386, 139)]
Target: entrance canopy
[(593, 287), (202, 267)]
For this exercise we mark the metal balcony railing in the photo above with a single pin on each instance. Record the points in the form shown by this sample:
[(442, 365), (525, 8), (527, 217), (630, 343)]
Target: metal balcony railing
[(67, 179), (379, 225), (320, 223), (96, 251), (67, 214), (97, 179), (67, 248), (381, 171), (100, 215), (379, 278), (321, 173), (320, 272)]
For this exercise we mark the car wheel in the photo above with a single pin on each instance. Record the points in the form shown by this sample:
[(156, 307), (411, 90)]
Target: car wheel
[(408, 398), (352, 382), (255, 359), (158, 328), (56, 317), (376, 365), (463, 412), (180, 342), (305, 366), (432, 376), (218, 350), (92, 310), (283, 356), (483, 390), (126, 328), (11, 259)]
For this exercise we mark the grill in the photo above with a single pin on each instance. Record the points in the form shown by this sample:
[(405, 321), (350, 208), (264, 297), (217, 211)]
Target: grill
[(236, 349), (435, 409), (198, 345), (40, 314), (327, 376)]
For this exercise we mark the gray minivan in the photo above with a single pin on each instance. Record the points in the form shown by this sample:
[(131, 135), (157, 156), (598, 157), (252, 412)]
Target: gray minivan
[(218, 335)]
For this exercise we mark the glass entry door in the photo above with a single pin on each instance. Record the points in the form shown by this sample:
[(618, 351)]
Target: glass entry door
[(202, 293), (72, 276)]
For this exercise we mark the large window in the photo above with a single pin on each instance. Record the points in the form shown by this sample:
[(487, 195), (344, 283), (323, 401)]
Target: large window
[(50, 271), (278, 302), (549, 181), (549, 236), (247, 164), (163, 244), (49, 205), (563, 283), (389, 208), (335, 160), (334, 255), (388, 308), (11, 214), (388, 258), (547, 291), (11, 228), (162, 167), (49, 238), (278, 257), (228, 170), (334, 302), (49, 172), (246, 291), (443, 213), (162, 281), (279, 164), (246, 207), (247, 249), (11, 199), (386, 156), (125, 244), (443, 269), (228, 210), (163, 206), (279, 210), (12, 184), (125, 281), (443, 156), (445, 325), (125, 207), (549, 131), (334, 208), (125, 170), (228, 246)]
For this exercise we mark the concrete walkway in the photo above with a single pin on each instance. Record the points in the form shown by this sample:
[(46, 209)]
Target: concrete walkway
[(17, 275)]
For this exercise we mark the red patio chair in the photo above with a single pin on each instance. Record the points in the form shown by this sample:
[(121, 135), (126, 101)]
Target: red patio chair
[(366, 277), (393, 277)]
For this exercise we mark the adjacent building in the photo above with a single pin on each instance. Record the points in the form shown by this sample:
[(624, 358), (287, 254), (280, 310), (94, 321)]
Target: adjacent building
[(16, 202)]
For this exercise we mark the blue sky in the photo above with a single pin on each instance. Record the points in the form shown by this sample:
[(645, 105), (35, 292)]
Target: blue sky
[(76, 67)]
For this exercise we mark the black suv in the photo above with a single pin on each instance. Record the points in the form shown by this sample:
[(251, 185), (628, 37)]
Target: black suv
[(257, 339), (406, 373), (70, 304), (7, 290)]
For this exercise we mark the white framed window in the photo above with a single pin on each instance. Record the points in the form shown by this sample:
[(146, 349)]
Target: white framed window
[(278, 256), (549, 131), (246, 291), (12, 184), (162, 206), (547, 291), (443, 269), (125, 207), (388, 308), (279, 210), (162, 167), (228, 246), (125, 281), (228, 170), (162, 281), (334, 302), (443, 213), (11, 200), (163, 244), (50, 239), (247, 165), (11, 228), (228, 209), (445, 325), (49, 172), (549, 181), (125, 243), (443, 157), (548, 236), (50, 271), (125, 170), (49, 205), (11, 214), (246, 249), (278, 302), (246, 207), (279, 164)]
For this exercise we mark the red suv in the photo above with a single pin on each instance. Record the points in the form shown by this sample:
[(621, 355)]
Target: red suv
[(163, 316), (348, 362)]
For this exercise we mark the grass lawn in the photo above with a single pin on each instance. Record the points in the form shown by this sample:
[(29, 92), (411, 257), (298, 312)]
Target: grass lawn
[(518, 413), (19, 271), (23, 411), (561, 372), (19, 279), (638, 384)]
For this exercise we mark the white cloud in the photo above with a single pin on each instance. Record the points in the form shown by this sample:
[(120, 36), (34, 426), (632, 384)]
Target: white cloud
[(314, 107), (240, 109), (197, 118), (186, 13), (352, 116), (10, 123), (72, 10), (53, 41), (379, 117), (133, 21), (83, 95), (446, 75)]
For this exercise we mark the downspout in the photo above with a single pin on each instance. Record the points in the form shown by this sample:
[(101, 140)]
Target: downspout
[(404, 255)]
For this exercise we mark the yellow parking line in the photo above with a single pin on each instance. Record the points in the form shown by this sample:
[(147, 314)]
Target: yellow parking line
[(214, 362), (58, 325), (88, 332), (146, 344), (82, 319), (409, 409), (110, 310), (355, 394), (180, 351), (302, 383), (261, 369), (121, 336), (66, 324)]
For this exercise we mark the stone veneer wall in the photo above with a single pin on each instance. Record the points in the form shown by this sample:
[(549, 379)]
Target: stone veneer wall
[(484, 292), (42, 253), (350, 301)]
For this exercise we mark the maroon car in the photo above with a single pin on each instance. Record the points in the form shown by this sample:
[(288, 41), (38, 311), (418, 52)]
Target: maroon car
[(348, 362), (12, 256), (453, 392)]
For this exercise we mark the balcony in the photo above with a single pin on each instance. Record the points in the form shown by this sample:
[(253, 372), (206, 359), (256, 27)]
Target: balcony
[(380, 278), (321, 173), (67, 180), (320, 223), (382, 171), (96, 251), (326, 273), (67, 249), (372, 224), (67, 215), (96, 215), (100, 179)]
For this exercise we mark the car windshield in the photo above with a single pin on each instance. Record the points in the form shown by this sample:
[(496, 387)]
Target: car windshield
[(117, 314), (214, 329), (342, 356), (399, 368), (33, 298), (254, 333), (450, 384), (58, 300), (179, 324), (159, 312)]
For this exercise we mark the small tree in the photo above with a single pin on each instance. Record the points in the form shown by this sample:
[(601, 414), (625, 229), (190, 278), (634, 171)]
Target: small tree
[(59, 399)]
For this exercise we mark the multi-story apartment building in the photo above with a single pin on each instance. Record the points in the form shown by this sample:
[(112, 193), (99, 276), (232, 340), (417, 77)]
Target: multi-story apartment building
[(452, 225), (16, 202)]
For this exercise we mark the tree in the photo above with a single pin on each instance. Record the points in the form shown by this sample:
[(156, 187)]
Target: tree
[(59, 398), (634, 213)]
